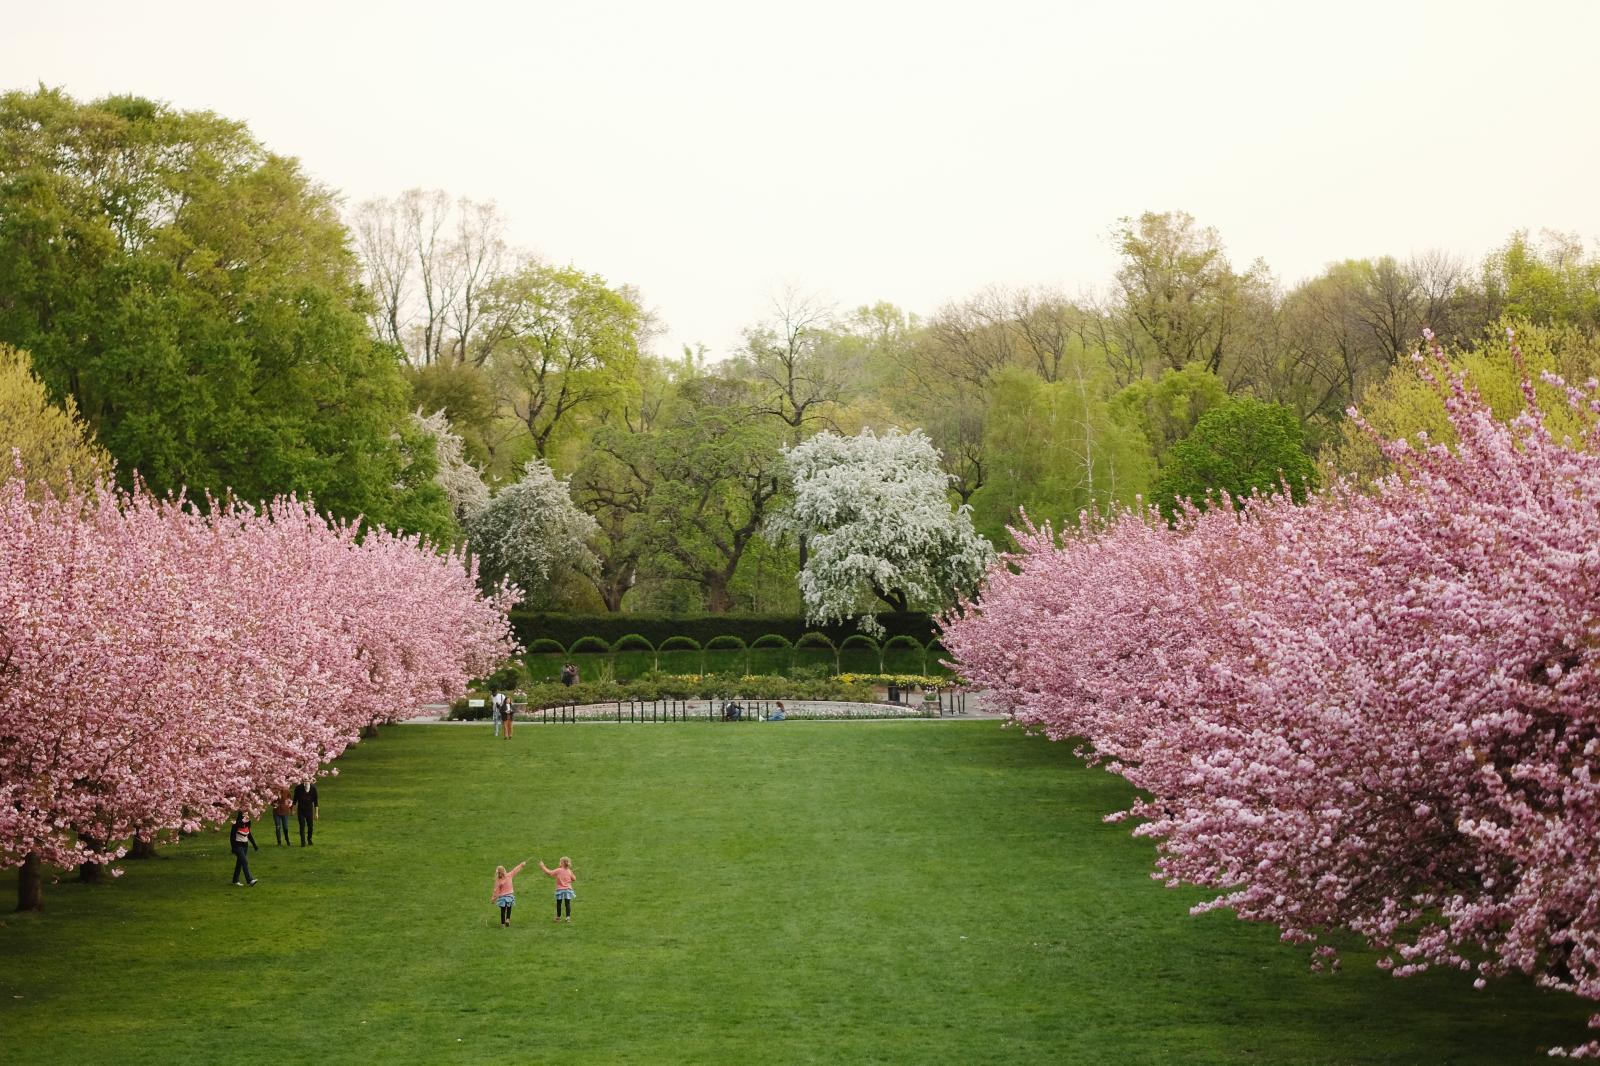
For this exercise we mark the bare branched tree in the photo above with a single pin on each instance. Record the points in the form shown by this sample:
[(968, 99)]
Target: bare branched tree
[(792, 359), (387, 267), (428, 261)]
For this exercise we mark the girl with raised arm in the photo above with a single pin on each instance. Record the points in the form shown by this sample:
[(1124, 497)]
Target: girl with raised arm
[(564, 879), (504, 893)]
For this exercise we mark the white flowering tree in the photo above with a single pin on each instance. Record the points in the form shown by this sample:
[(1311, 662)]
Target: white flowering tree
[(462, 483), (879, 525), (532, 534)]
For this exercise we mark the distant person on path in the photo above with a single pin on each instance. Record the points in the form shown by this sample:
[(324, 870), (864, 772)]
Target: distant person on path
[(497, 710), (305, 802), (509, 713), (564, 879), (280, 817), (240, 840), (504, 891), (569, 674)]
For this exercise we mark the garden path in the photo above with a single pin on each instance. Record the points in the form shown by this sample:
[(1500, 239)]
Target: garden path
[(979, 705)]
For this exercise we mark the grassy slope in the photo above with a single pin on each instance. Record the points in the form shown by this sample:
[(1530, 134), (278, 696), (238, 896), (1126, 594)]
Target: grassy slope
[(811, 892)]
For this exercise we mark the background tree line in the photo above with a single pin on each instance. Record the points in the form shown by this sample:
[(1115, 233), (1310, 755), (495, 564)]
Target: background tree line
[(224, 325)]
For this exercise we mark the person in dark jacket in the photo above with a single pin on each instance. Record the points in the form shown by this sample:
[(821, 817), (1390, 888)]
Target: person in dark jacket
[(305, 805), (240, 840)]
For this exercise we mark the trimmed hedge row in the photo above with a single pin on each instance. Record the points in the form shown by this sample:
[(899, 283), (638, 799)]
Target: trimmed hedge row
[(769, 658), (531, 626), (726, 642)]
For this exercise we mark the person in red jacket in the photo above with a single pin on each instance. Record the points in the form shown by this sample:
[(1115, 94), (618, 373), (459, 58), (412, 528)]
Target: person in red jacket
[(282, 807), (241, 841)]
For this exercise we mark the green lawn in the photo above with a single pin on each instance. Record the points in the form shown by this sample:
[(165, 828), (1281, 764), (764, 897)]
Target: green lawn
[(810, 892)]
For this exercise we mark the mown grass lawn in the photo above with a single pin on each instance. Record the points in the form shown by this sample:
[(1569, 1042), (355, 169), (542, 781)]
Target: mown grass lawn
[(804, 892)]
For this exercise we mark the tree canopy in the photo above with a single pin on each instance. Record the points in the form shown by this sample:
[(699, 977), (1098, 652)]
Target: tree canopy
[(220, 329), (881, 527), (1241, 447), (195, 296), (532, 535), (52, 444)]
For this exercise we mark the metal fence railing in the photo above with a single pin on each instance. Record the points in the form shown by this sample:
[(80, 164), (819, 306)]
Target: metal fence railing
[(937, 704)]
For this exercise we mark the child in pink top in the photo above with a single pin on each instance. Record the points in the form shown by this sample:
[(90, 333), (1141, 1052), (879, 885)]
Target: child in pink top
[(564, 879), (504, 894)]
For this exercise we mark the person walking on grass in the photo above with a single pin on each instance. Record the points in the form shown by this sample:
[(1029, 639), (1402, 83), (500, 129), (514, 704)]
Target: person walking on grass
[(497, 710), (564, 879), (305, 802), (281, 807), (240, 840), (505, 894), (510, 714)]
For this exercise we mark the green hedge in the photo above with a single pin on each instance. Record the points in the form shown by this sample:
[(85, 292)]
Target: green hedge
[(857, 658), (567, 628)]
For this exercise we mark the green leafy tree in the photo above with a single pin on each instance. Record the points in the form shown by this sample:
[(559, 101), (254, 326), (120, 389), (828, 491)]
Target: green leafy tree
[(1179, 290), (1054, 450), (1240, 447), (1405, 404), (51, 441), (466, 396), (614, 477), (1549, 281), (571, 346), (195, 296), (1166, 408), (714, 471), (612, 484)]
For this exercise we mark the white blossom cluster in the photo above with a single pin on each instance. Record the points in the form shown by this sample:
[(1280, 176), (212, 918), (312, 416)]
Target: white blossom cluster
[(879, 525), (532, 532), (463, 485)]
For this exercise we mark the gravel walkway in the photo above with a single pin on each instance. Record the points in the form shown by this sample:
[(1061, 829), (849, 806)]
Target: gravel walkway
[(977, 708)]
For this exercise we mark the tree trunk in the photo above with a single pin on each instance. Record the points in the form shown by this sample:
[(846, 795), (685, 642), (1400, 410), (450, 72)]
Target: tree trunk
[(144, 847), (29, 884), (718, 599), (614, 586), (369, 732), (91, 873)]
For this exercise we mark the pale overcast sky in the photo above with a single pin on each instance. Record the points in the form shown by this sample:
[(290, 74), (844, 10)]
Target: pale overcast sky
[(915, 152)]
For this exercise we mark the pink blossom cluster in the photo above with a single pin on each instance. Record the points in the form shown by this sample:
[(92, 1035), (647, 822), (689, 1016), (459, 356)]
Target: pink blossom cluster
[(161, 667), (1379, 711)]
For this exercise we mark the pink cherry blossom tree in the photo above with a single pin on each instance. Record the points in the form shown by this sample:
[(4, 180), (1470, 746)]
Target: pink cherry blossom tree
[(163, 667), (1378, 712)]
